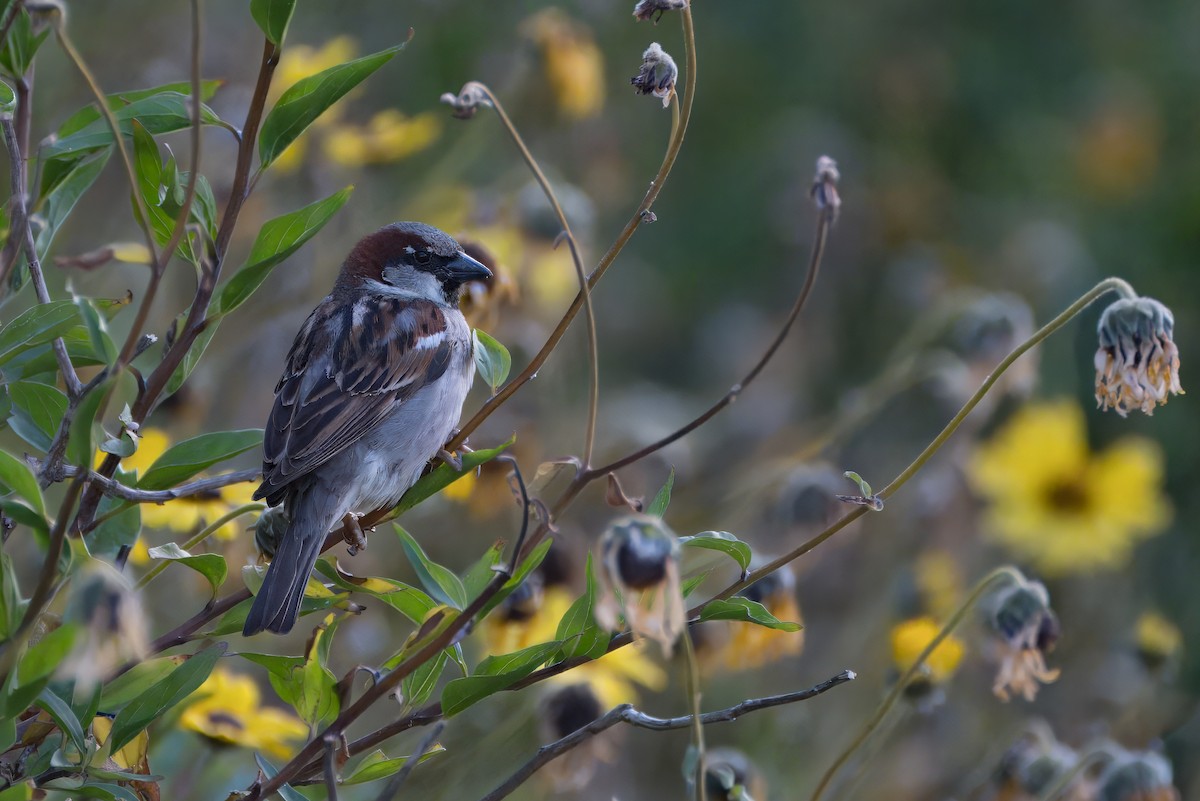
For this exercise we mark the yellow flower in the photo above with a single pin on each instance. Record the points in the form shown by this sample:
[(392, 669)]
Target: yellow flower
[(226, 708), (939, 582), (389, 136), (909, 639), (1157, 638), (1060, 506), (573, 65), (460, 491)]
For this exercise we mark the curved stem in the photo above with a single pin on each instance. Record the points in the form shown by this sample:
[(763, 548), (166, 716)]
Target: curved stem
[(584, 289), (986, 584), (200, 537), (1086, 299), (676, 142)]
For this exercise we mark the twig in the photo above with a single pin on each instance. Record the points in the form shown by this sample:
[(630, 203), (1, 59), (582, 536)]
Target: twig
[(984, 585), (572, 243), (115, 489), (625, 713), (21, 218), (392, 788), (331, 779), (824, 221), (676, 142)]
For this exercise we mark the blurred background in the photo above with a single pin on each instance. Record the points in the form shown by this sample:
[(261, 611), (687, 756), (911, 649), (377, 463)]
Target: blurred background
[(997, 160)]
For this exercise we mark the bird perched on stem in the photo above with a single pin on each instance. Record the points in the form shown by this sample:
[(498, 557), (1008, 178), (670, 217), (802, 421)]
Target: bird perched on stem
[(373, 387)]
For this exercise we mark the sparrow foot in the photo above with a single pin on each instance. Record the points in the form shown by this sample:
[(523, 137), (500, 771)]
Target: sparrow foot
[(356, 538), (452, 459)]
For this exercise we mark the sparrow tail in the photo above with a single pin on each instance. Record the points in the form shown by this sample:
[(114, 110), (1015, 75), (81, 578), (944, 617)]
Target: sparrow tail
[(277, 604)]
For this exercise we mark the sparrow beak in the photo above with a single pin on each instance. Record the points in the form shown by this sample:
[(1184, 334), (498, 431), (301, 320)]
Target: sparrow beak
[(464, 269)]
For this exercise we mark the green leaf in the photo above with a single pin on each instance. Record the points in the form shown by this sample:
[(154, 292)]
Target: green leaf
[(164, 695), (90, 113), (300, 105), (133, 682), (8, 736), (34, 669), (409, 601), (286, 792), (276, 241), (24, 516), (439, 580), (578, 631), (376, 765), (492, 360), (192, 357), (36, 326), (22, 42), (60, 710), (417, 686), (37, 412), (462, 693), (480, 574), (210, 565), (273, 17), (147, 163), (81, 444), (97, 329), (724, 542), (16, 476), (191, 456), (689, 585), (658, 507), (744, 609), (530, 564), (444, 475), (12, 606), (161, 113), (8, 100), (60, 197)]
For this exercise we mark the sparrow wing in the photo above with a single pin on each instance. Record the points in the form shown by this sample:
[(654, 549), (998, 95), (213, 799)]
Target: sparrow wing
[(349, 368)]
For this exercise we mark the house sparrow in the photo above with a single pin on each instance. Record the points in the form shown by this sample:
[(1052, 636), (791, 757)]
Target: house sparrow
[(373, 387)]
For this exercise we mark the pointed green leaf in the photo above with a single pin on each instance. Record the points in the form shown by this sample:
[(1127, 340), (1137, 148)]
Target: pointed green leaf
[(90, 113), (744, 609), (578, 631), (417, 686), (133, 682), (410, 601), (440, 581), (658, 507), (164, 695), (210, 565), (492, 360), (273, 17), (60, 710), (444, 475), (37, 411), (16, 476), (161, 113), (36, 326), (8, 100), (724, 542), (377, 766), (191, 456), (462, 693), (276, 241), (300, 105)]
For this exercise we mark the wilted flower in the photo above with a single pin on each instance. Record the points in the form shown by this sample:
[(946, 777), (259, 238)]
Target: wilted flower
[(658, 74), (1025, 629), (729, 775), (1141, 776), (111, 622), (467, 101), (645, 9), (1158, 640), (1057, 504), (1033, 765), (1137, 363), (639, 572), (985, 329), (269, 530), (824, 189), (751, 646), (566, 709), (572, 62), (909, 638), (226, 709)]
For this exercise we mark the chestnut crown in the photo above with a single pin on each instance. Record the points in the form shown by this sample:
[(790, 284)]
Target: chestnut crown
[(411, 259)]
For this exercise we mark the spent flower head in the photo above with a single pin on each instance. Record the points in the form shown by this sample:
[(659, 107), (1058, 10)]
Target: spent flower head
[(658, 74), (824, 189), (565, 709), (111, 622), (646, 9), (1024, 629), (1034, 764), (1137, 363), (467, 101), (1137, 776), (639, 577)]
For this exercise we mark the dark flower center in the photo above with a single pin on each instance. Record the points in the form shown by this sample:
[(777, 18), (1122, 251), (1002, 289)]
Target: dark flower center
[(225, 719), (642, 561), (1067, 496)]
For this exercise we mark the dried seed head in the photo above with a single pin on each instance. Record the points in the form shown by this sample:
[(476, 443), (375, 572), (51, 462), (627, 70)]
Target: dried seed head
[(1025, 629), (645, 9), (466, 102), (824, 189), (1143, 776), (1137, 363), (639, 576), (658, 74)]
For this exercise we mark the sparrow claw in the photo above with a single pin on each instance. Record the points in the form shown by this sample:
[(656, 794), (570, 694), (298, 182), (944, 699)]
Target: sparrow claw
[(356, 538), (451, 459)]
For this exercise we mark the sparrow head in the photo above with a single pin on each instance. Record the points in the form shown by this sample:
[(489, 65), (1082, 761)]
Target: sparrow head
[(413, 260)]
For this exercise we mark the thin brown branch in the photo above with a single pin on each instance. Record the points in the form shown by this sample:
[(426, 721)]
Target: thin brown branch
[(331, 778), (606, 261), (115, 489), (625, 713)]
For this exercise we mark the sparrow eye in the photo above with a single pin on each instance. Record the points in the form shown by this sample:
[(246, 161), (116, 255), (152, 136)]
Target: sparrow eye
[(422, 257)]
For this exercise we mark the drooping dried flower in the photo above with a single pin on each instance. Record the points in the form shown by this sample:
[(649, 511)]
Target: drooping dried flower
[(824, 189), (658, 74), (645, 9), (1137, 363), (467, 101), (1137, 776), (639, 576), (1025, 630)]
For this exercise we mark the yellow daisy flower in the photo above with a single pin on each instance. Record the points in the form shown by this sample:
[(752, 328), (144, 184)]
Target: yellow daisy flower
[(572, 63), (910, 637), (389, 136), (1059, 506), (226, 709)]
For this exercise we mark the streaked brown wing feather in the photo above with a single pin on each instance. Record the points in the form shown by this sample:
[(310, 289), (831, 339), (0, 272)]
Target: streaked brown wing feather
[(371, 370)]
